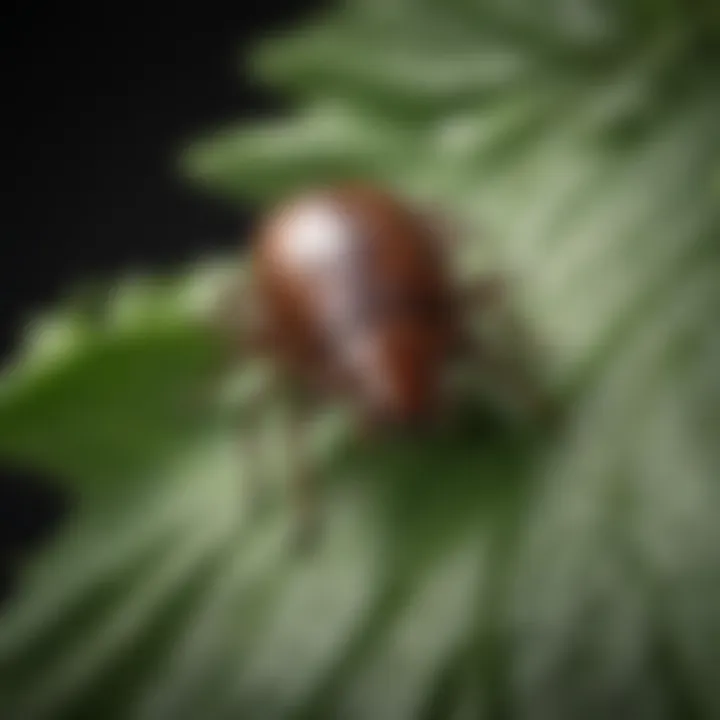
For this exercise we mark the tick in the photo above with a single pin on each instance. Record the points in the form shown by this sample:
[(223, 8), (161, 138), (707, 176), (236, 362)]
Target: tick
[(352, 298)]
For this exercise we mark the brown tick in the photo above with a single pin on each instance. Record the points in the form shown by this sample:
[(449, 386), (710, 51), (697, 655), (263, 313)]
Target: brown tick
[(353, 298)]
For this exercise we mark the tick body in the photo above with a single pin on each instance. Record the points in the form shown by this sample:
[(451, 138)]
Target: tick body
[(355, 300)]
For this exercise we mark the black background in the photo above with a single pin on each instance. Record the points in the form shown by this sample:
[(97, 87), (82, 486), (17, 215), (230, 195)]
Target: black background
[(97, 103)]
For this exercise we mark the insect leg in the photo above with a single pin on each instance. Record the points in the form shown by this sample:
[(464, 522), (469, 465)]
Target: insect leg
[(445, 231), (483, 292), (506, 375), (487, 298), (254, 488), (237, 320), (302, 481)]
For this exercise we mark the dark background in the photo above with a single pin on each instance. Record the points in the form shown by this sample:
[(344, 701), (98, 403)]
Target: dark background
[(97, 102)]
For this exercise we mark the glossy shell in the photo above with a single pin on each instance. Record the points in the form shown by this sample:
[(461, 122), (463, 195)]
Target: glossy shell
[(356, 298)]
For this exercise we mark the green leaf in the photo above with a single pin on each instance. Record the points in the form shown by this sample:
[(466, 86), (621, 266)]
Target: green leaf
[(276, 158), (93, 399), (492, 570)]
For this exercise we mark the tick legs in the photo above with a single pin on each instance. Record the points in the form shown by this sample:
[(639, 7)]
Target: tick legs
[(482, 294), (302, 481), (487, 295), (242, 323), (254, 488), (505, 375), (301, 485)]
